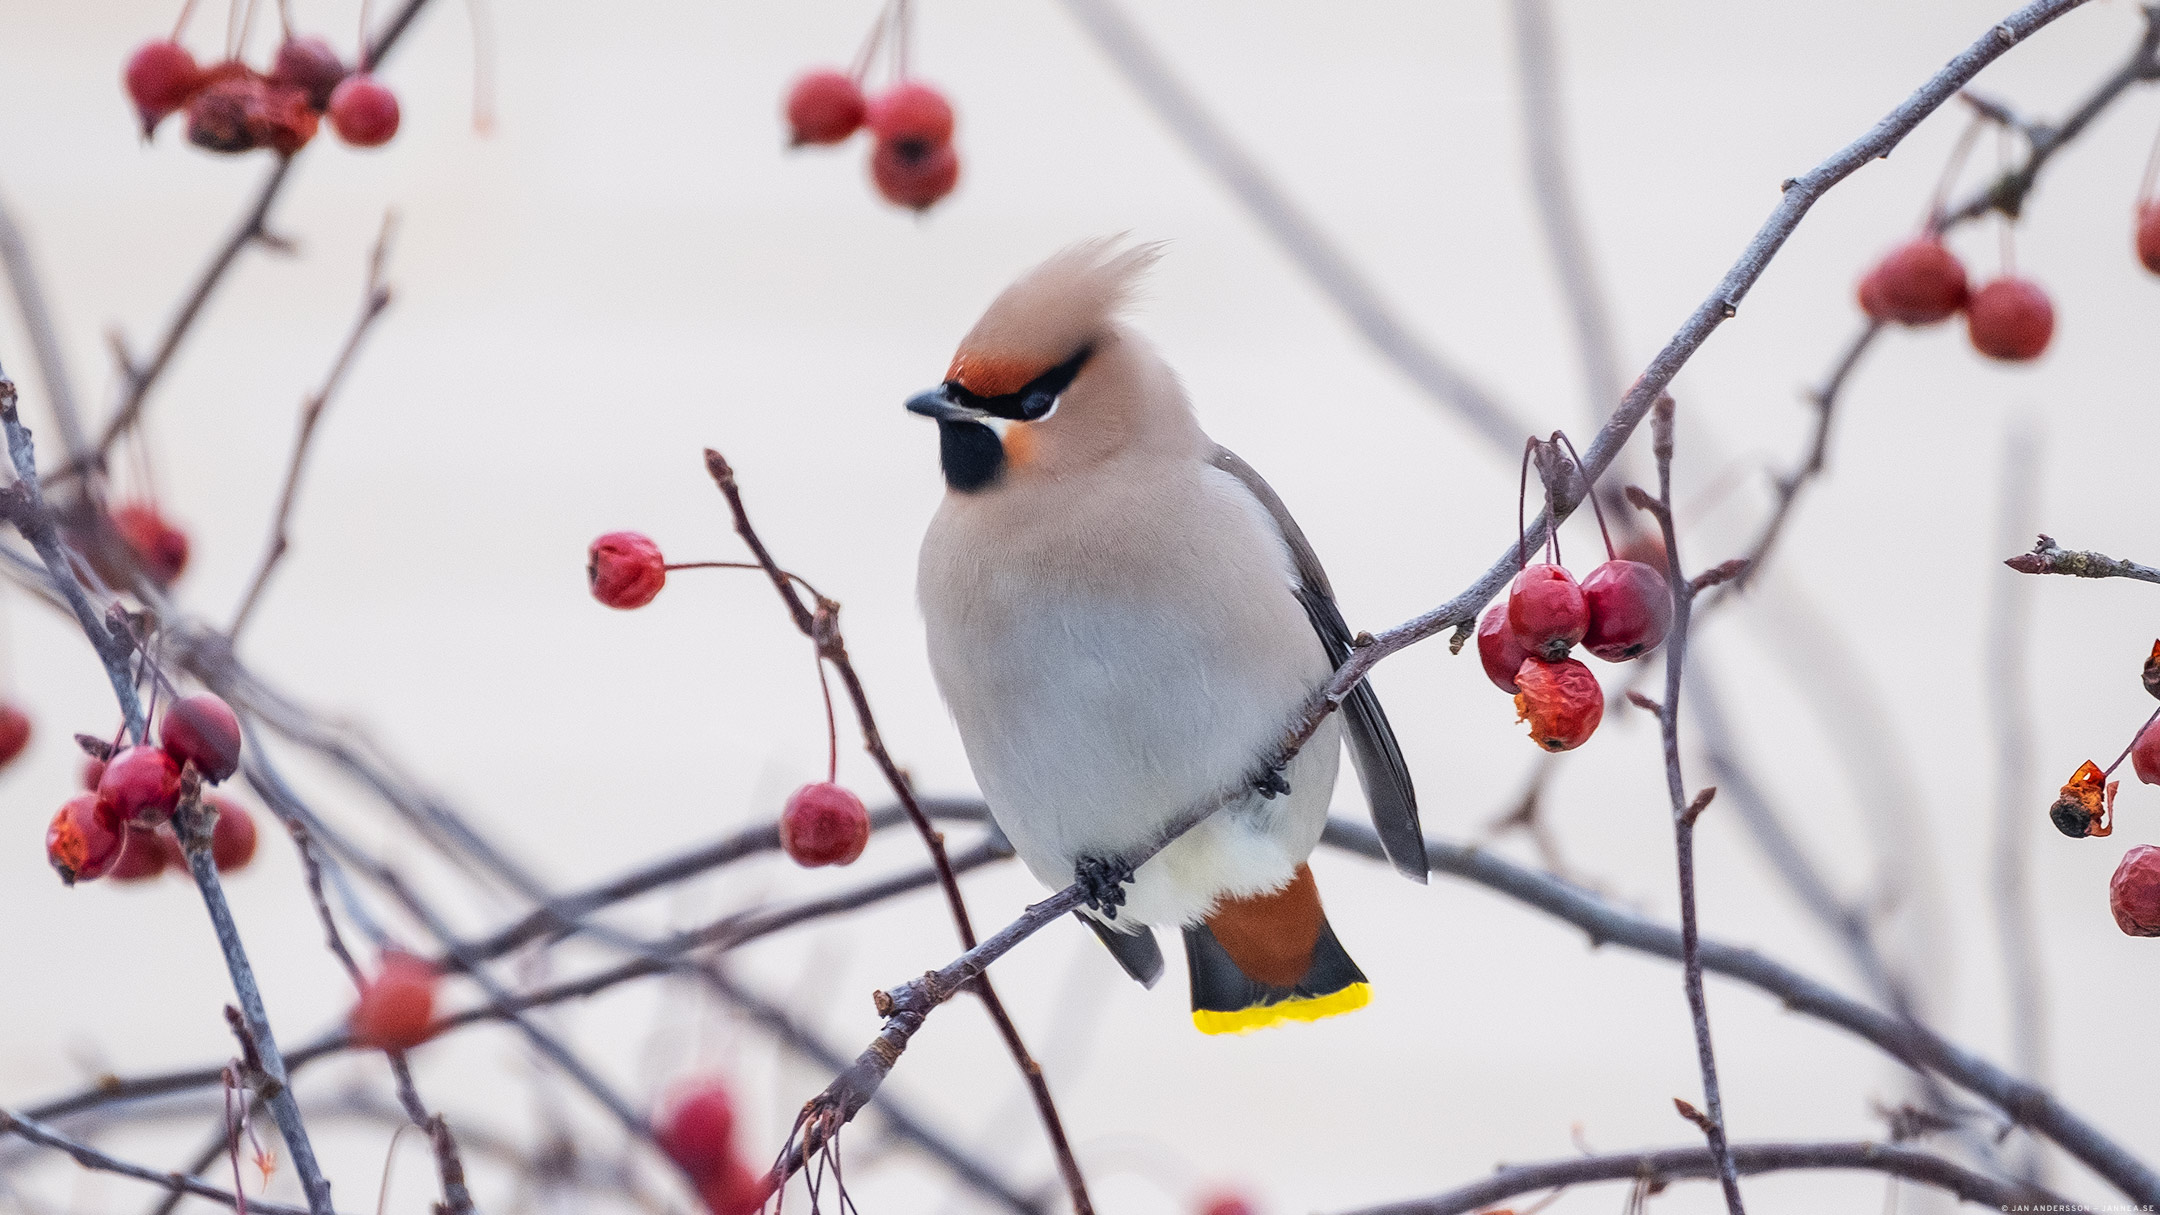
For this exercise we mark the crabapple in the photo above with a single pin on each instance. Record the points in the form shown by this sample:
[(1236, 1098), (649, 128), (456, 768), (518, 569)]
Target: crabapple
[(142, 783), (202, 730), (1561, 700), (363, 111), (2010, 319), (1630, 609), (1546, 611), (625, 570), (397, 1006), (824, 106), (1917, 283), (824, 824), (85, 839)]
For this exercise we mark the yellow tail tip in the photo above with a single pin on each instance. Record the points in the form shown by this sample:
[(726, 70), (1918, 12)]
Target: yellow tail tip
[(1246, 1020)]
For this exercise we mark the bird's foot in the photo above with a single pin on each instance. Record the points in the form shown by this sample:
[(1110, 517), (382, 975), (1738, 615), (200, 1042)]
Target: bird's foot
[(1272, 783), (1102, 881)]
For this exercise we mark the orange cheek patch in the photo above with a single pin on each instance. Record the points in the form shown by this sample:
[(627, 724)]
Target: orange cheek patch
[(990, 376), (1019, 444)]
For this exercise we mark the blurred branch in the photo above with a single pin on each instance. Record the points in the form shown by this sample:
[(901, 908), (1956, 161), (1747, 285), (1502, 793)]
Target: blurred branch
[(1915, 1045), (91, 1158), (373, 302), (2010, 704), (2047, 557), (1675, 1164), (1295, 233), (37, 319), (1552, 186), (1686, 809)]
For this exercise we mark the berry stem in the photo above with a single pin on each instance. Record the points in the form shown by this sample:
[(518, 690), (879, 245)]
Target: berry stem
[(711, 565), (187, 10), (860, 69), (1590, 492), (1522, 506), (1939, 204), (832, 727), (2132, 744), (2152, 172), (362, 66), (2002, 218)]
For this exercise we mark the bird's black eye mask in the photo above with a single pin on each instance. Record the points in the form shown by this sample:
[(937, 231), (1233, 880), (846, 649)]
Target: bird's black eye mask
[(1036, 400)]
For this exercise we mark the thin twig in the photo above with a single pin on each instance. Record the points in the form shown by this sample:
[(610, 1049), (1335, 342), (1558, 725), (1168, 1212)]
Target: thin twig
[(376, 299), (1674, 1164), (1684, 808), (822, 625), (45, 347), (91, 1158), (2048, 557)]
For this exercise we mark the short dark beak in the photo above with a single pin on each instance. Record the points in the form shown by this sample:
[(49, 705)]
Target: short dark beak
[(936, 404)]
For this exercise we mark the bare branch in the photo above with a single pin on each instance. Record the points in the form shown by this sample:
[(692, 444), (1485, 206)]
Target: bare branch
[(2048, 557), (91, 1158)]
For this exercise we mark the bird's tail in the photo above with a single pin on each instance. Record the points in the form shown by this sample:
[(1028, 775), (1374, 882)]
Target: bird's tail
[(1268, 959)]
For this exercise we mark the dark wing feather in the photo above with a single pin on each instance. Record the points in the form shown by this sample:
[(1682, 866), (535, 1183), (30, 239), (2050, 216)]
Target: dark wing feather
[(1372, 741)]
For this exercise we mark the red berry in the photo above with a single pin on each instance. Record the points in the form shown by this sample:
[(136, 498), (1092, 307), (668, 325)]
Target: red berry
[(142, 783), (160, 78), (2145, 754), (824, 824), (1561, 700), (397, 1006), (824, 106), (625, 570), (1546, 611), (85, 839), (2010, 319), (911, 112), (363, 111), (232, 840), (160, 550), (913, 174), (227, 113), (1498, 649), (14, 732), (285, 118), (202, 729), (1630, 609), (309, 65), (698, 1129), (2134, 892), (146, 856), (1918, 283), (734, 1189), (2148, 236), (1226, 1204)]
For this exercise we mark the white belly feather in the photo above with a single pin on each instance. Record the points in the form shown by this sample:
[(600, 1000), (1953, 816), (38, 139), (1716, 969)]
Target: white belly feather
[(1106, 677)]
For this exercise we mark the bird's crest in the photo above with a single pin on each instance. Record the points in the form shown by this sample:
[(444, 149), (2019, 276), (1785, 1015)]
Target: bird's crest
[(1051, 312)]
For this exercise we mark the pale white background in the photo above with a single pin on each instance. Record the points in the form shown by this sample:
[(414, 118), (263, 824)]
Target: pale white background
[(631, 268)]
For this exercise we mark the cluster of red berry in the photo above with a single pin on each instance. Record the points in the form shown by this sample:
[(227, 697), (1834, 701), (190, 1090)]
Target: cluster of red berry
[(822, 823), (233, 107), (1921, 283), (2086, 809), (1619, 613), (912, 158), (120, 827), (697, 1130)]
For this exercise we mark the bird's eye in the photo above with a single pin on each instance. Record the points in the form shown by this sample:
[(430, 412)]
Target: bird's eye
[(1037, 406)]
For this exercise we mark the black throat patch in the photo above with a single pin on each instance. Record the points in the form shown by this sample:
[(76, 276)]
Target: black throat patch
[(971, 455)]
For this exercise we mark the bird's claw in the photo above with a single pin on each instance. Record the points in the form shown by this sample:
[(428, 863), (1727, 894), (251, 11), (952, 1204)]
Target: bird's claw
[(1272, 783), (1103, 883)]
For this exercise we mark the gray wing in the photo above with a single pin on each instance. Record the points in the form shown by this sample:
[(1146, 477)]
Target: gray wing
[(1373, 749)]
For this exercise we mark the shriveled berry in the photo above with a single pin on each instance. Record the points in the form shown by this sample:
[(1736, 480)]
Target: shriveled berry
[(1561, 700), (284, 118), (1497, 648), (397, 1006), (142, 783), (698, 1128), (824, 824), (2086, 805), (159, 548), (1546, 611), (363, 111), (2010, 319), (625, 570), (1918, 283), (2148, 236), (1630, 609), (14, 732), (308, 64), (85, 839), (1226, 1203), (824, 106), (232, 839), (911, 111), (2145, 754), (2134, 892), (160, 78), (913, 174), (2151, 674), (146, 856), (734, 1188), (202, 730), (227, 113)]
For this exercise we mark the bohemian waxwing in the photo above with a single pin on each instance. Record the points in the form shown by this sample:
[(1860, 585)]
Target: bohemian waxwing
[(1123, 619)]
